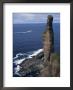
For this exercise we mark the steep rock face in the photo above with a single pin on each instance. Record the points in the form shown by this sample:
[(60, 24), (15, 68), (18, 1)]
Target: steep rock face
[(48, 39), (55, 65)]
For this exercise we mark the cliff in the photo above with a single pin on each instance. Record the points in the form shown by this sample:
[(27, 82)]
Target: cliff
[(44, 63)]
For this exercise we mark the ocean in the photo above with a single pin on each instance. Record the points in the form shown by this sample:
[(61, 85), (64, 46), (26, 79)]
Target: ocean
[(27, 41), (28, 37)]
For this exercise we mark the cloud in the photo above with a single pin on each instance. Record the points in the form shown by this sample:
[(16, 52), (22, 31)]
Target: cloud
[(34, 17)]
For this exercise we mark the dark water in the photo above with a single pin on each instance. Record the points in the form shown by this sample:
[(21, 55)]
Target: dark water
[(28, 37)]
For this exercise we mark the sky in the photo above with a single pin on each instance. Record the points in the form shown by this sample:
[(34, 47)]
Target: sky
[(22, 18)]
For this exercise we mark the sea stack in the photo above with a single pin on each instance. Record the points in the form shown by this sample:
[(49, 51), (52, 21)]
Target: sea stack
[(48, 39)]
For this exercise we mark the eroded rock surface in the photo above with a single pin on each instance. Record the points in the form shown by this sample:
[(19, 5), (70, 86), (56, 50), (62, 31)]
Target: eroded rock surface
[(48, 39)]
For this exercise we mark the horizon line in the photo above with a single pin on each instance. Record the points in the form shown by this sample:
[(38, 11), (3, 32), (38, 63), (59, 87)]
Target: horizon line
[(33, 23)]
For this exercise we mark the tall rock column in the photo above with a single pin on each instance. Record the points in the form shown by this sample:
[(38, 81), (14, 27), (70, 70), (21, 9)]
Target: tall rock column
[(48, 39)]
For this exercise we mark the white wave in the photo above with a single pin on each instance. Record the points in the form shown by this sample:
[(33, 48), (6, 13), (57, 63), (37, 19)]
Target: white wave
[(17, 69), (18, 61), (24, 32), (17, 55), (20, 56), (36, 52)]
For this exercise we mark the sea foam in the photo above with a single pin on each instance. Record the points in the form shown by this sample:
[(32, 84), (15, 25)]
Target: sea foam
[(20, 57)]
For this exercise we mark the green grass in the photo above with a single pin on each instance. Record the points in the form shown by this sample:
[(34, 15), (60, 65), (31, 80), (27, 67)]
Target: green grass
[(55, 56)]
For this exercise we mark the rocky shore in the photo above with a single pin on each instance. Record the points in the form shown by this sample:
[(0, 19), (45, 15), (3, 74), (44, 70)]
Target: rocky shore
[(44, 62)]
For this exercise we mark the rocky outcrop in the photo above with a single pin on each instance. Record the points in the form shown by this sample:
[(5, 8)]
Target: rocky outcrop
[(48, 39)]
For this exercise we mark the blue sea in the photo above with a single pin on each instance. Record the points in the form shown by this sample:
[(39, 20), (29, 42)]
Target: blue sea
[(28, 37)]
